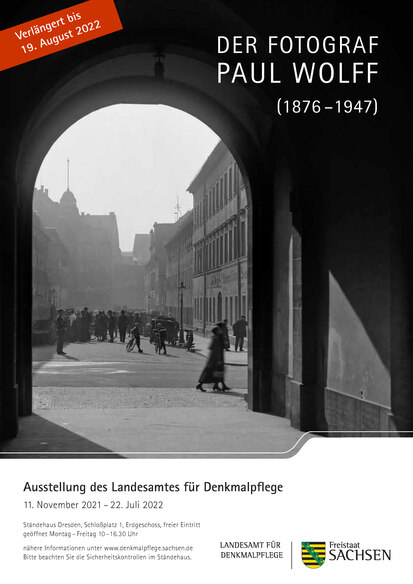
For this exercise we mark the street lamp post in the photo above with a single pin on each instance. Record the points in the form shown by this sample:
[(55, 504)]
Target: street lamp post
[(181, 289), (53, 293)]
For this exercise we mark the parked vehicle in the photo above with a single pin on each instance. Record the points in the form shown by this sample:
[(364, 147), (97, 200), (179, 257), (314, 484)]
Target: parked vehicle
[(170, 324)]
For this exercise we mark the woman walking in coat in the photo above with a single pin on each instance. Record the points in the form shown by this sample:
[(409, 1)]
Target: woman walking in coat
[(214, 368)]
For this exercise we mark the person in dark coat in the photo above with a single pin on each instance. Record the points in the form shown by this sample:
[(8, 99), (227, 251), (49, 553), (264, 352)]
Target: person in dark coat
[(85, 325), (137, 335), (123, 321), (60, 331), (111, 325), (161, 330), (240, 332), (214, 368)]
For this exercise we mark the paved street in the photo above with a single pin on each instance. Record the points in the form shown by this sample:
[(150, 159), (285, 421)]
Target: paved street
[(98, 400), (97, 365)]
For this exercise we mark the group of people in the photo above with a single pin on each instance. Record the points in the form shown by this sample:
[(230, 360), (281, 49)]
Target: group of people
[(79, 326)]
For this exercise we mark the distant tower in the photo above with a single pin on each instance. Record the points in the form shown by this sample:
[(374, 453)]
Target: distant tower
[(178, 212), (68, 199)]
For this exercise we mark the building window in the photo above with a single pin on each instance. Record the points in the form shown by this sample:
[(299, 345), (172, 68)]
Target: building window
[(236, 316), (217, 196), (221, 191), (226, 307), (236, 183), (226, 247), (225, 187), (213, 310), (221, 250), (230, 246), (230, 182), (243, 237), (235, 242), (230, 310)]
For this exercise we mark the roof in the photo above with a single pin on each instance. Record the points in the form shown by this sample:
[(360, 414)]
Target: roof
[(68, 198), (219, 150), (183, 224)]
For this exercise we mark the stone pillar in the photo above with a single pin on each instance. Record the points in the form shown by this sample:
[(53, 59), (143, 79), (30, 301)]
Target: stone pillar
[(8, 386), (24, 304), (401, 417), (260, 249), (306, 395)]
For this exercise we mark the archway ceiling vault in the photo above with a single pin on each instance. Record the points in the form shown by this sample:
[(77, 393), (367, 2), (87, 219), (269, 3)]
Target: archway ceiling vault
[(236, 113)]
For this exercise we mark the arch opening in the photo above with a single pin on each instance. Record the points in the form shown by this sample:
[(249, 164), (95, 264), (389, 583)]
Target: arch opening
[(242, 134)]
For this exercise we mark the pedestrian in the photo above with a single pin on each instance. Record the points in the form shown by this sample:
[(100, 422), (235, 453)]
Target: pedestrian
[(116, 317), (123, 321), (162, 338), (240, 332), (225, 335), (85, 325), (137, 321), (130, 324), (214, 369), (136, 334), (60, 331), (111, 325)]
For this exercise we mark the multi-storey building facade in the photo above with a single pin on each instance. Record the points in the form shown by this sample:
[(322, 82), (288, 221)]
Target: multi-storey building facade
[(92, 244), (220, 218), (179, 268), (59, 270), (41, 295), (130, 275), (155, 270)]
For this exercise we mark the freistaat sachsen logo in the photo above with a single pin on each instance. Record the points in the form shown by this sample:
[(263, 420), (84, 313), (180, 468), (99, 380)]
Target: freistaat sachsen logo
[(313, 553)]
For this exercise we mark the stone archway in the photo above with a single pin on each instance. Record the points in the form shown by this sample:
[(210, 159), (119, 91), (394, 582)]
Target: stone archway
[(104, 83)]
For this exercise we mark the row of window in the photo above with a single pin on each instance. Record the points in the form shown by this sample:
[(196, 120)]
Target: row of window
[(213, 309), (221, 248), (218, 195)]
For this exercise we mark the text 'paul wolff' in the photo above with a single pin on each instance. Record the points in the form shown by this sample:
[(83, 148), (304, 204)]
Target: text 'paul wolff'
[(350, 68)]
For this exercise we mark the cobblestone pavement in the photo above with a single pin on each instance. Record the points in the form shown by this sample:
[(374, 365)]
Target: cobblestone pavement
[(52, 398)]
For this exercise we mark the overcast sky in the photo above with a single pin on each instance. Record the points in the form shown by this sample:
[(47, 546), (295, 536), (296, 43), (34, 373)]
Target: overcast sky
[(134, 160)]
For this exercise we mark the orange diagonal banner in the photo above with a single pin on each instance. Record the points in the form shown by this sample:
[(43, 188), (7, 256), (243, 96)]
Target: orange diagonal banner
[(55, 32)]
